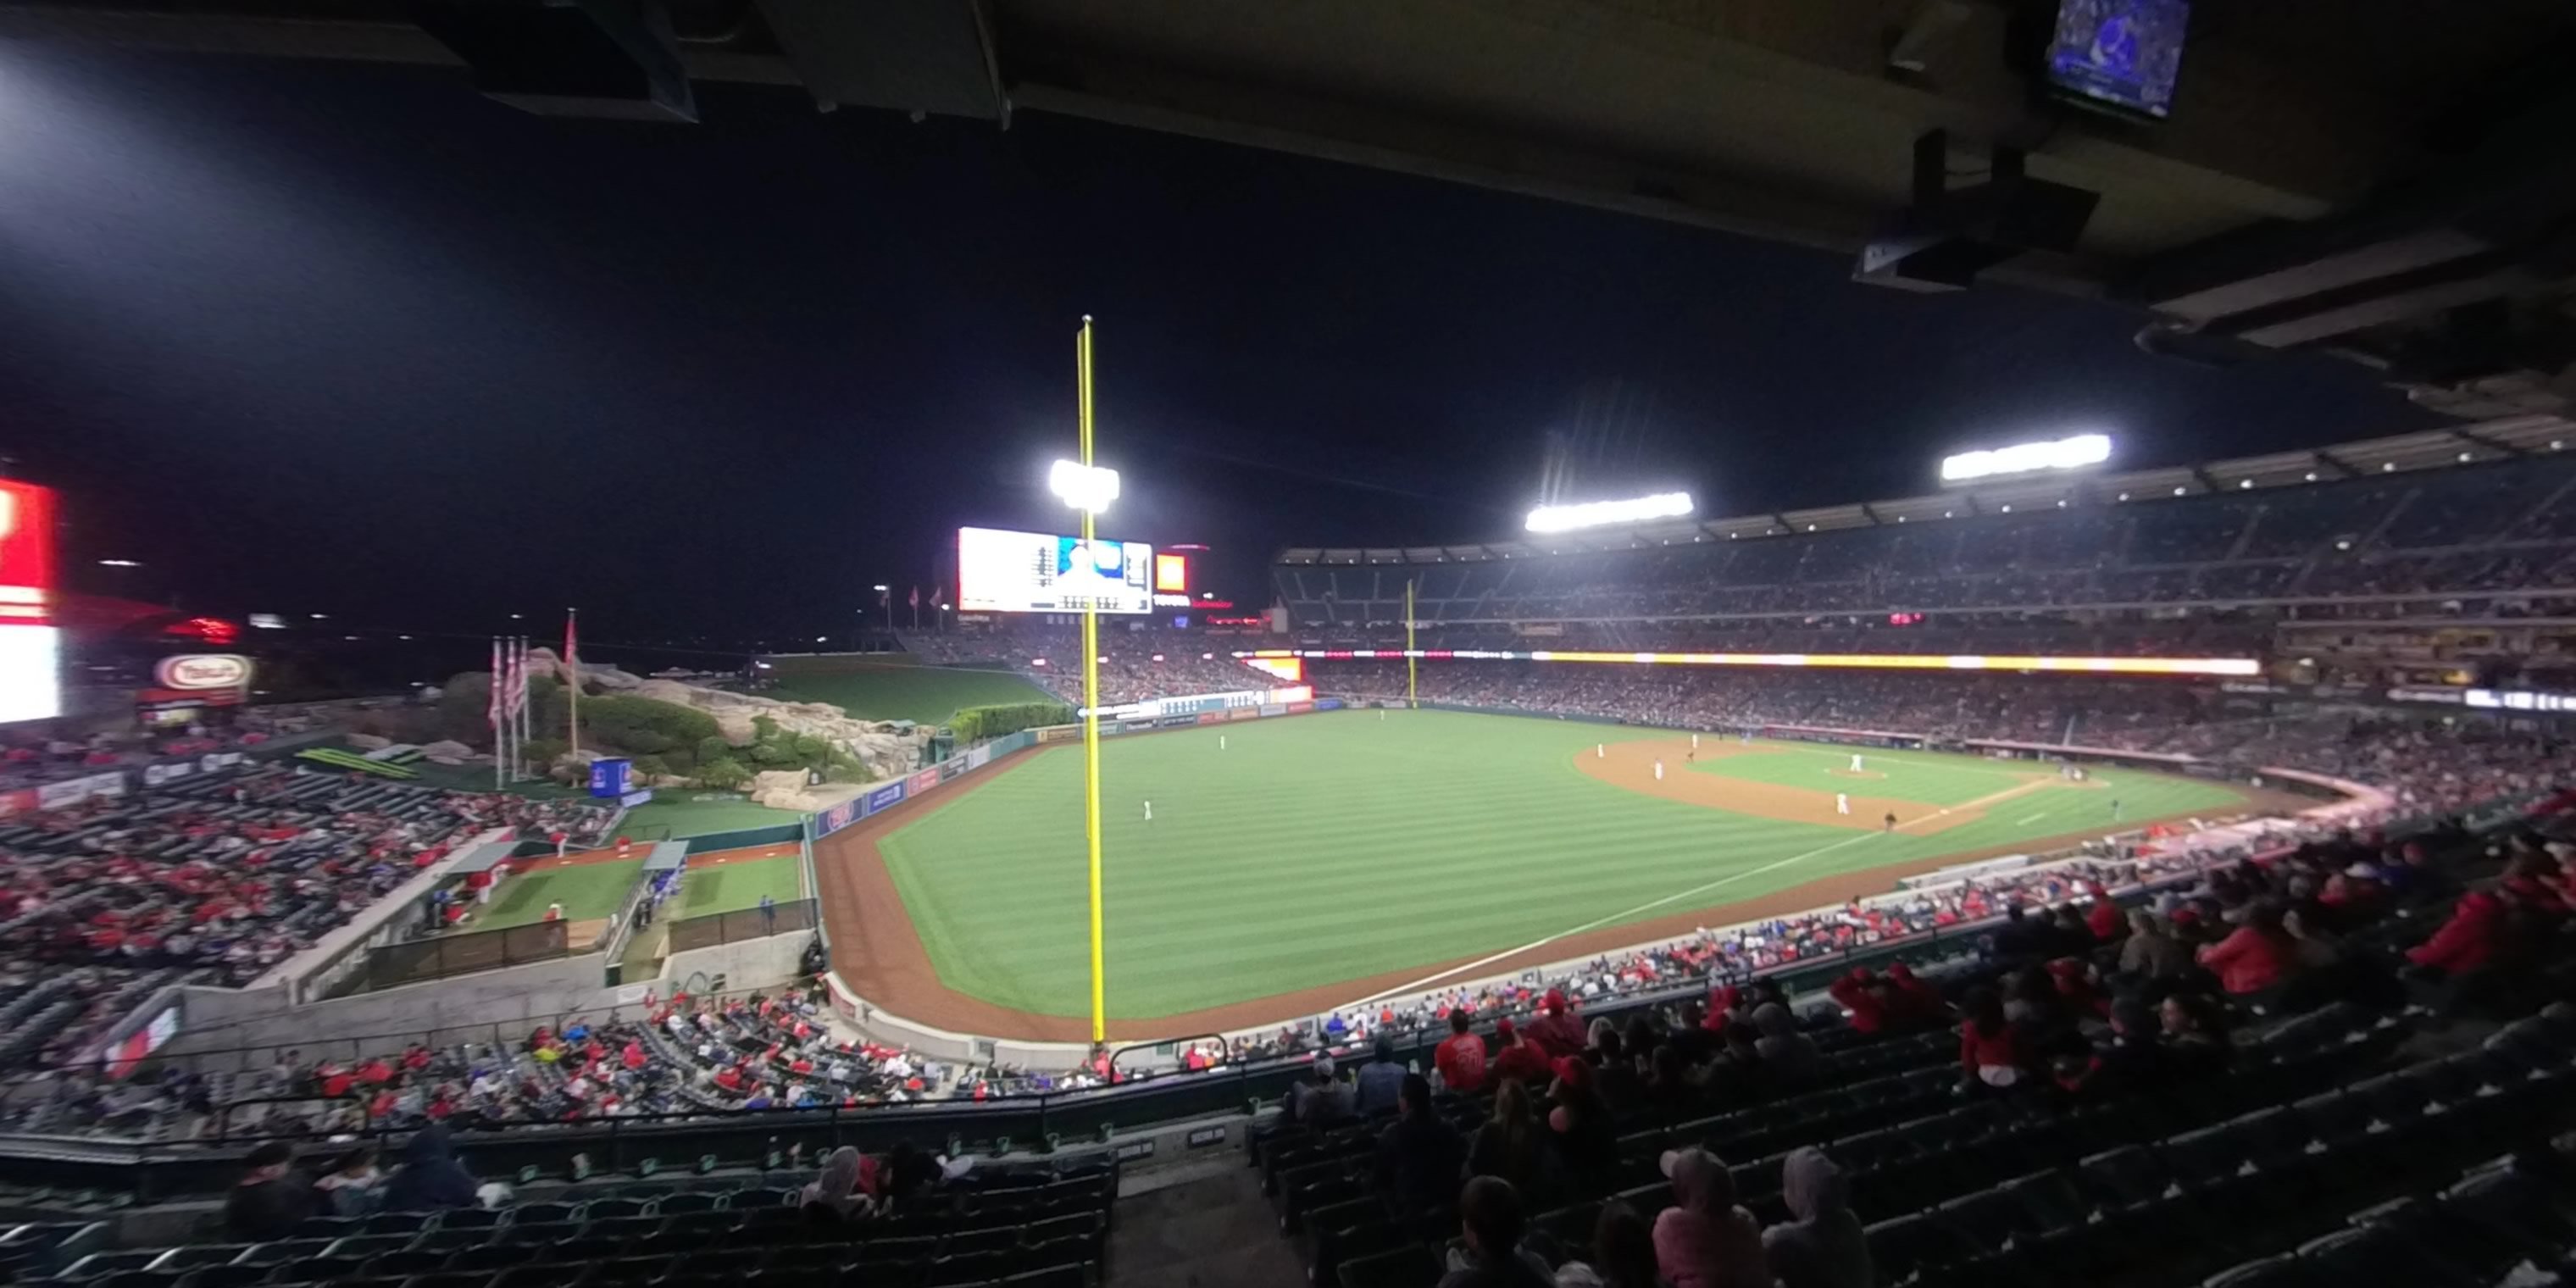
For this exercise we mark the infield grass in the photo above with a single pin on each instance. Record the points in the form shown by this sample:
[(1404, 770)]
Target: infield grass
[(686, 818), (929, 694), (1338, 846)]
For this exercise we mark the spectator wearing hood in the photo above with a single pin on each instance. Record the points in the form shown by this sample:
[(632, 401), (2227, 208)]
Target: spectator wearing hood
[(1823, 1245), (834, 1192), (1705, 1239), (1381, 1080), (430, 1179), (1790, 1055)]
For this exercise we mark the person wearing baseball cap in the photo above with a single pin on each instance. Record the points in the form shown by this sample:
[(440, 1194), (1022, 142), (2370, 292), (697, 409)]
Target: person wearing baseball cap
[(1705, 1239), (1557, 1030), (1518, 1057)]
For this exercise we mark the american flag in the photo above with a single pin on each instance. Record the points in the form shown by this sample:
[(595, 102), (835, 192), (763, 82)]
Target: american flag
[(500, 685)]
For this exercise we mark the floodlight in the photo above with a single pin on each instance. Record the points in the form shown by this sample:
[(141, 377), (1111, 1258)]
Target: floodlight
[(2024, 458), (1088, 488), (1594, 514)]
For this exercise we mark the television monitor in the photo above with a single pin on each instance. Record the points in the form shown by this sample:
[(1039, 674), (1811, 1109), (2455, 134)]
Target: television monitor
[(2119, 55)]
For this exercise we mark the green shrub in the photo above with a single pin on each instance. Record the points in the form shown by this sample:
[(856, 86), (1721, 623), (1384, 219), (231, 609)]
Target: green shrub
[(651, 767), (975, 724), (714, 747), (722, 772), (643, 726), (543, 752)]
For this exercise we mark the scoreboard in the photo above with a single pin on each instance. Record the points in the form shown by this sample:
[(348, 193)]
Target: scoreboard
[(1000, 571), (30, 640)]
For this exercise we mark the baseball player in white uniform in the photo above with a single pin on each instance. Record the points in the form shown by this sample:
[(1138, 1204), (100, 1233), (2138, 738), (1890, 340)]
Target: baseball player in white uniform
[(1149, 811), (1659, 775), (1855, 762), (1842, 803)]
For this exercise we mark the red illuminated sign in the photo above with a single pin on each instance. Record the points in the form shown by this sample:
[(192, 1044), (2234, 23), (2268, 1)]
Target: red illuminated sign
[(1172, 573), (26, 553)]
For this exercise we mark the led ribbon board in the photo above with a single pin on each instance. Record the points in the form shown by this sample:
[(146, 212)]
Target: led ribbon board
[(1818, 661)]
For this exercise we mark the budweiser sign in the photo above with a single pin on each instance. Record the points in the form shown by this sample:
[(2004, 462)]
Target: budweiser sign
[(203, 671)]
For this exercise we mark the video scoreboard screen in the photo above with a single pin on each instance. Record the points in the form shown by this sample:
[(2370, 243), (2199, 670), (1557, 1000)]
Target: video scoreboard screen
[(30, 642), (1035, 572)]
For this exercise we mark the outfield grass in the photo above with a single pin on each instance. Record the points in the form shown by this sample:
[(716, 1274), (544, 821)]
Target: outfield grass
[(1924, 778), (929, 694), (1337, 846), (739, 884), (686, 818), (587, 890)]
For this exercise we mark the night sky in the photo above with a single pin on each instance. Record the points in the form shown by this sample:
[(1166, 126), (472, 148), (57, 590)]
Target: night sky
[(353, 339)]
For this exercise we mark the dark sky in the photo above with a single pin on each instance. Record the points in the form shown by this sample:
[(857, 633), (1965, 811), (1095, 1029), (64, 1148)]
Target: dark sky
[(352, 339)]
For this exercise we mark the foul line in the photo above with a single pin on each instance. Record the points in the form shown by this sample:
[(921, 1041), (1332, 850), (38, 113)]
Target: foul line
[(1617, 917)]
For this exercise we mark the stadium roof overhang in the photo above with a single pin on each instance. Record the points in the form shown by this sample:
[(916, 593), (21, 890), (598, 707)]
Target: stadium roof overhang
[(2382, 179), (2429, 450)]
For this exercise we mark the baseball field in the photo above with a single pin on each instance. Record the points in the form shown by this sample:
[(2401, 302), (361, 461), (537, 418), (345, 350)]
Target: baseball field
[(1313, 862)]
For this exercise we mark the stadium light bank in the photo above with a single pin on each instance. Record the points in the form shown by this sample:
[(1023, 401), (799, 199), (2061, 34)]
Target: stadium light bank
[(2028, 458), (1597, 514)]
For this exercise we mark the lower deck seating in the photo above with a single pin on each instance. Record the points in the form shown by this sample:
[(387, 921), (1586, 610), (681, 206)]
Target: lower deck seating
[(1036, 1226)]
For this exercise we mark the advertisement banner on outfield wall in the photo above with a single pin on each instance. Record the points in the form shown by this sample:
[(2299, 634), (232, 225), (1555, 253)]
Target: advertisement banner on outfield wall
[(1059, 733), (1300, 708), (976, 757), (952, 767), (1328, 704), (1273, 708), (1244, 713), (881, 798), (921, 782), (837, 817), (1177, 722), (1210, 717)]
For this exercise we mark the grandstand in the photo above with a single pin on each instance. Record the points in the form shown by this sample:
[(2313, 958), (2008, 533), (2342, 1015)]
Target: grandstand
[(2328, 1041), (2482, 513)]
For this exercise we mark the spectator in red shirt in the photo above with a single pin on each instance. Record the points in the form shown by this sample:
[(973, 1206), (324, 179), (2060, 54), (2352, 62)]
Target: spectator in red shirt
[(1461, 1057), (1557, 1030), (1519, 1057), (2467, 940), (2255, 956), (1989, 1050)]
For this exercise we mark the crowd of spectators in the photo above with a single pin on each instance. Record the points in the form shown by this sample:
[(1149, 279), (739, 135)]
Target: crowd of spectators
[(210, 880), (686, 1056), (2500, 529), (2072, 1011), (32, 759)]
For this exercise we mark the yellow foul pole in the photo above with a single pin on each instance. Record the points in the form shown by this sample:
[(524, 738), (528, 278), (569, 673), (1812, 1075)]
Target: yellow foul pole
[(1091, 710), (1410, 698)]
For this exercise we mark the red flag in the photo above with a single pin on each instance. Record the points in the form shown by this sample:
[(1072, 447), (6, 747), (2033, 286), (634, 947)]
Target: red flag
[(916, 596), (500, 685)]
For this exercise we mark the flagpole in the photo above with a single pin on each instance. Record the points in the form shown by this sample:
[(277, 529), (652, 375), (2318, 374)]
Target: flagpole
[(1091, 711), (492, 710), (572, 677), (519, 713)]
